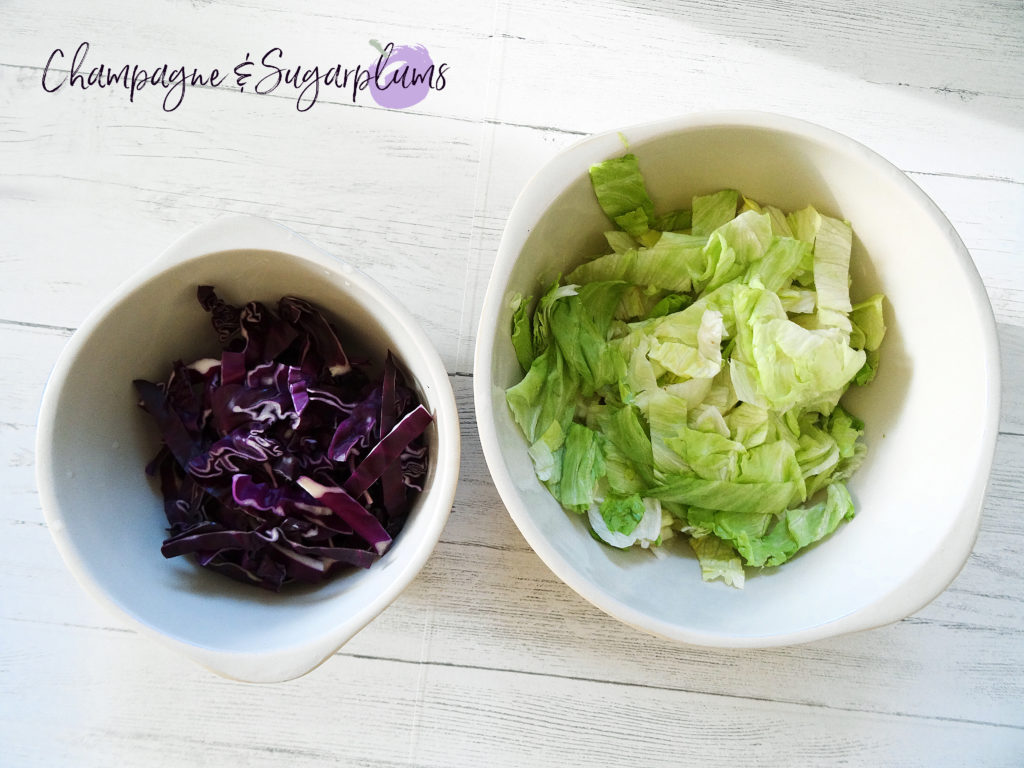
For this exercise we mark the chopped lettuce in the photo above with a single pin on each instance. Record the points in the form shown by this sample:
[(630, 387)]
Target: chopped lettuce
[(621, 514), (522, 337), (718, 560), (622, 194), (688, 382)]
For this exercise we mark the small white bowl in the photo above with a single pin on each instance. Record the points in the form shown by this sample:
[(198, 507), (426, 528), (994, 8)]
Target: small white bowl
[(931, 414), (94, 441)]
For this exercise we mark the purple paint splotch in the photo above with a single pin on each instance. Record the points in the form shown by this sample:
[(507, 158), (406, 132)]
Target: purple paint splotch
[(403, 75)]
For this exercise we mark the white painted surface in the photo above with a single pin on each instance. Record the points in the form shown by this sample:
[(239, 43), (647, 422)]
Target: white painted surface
[(487, 659)]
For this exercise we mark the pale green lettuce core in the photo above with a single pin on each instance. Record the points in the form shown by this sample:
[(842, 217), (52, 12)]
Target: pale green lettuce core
[(687, 383)]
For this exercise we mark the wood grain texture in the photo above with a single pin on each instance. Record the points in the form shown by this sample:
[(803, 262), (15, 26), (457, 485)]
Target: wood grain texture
[(439, 715), (488, 659)]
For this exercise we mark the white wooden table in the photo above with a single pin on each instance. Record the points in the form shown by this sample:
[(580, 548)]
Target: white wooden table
[(487, 659)]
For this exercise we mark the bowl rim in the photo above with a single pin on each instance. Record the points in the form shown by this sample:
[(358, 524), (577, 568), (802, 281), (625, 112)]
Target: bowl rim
[(244, 232), (546, 185)]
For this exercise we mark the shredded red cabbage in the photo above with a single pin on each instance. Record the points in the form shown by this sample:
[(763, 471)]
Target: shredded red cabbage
[(283, 461)]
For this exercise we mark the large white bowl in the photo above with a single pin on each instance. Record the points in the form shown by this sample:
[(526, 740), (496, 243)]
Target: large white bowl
[(93, 442), (931, 414)]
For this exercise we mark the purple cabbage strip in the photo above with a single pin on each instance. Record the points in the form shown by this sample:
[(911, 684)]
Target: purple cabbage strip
[(351, 511), (176, 437), (391, 477), (387, 450), (320, 334), (286, 461), (357, 429), (223, 316)]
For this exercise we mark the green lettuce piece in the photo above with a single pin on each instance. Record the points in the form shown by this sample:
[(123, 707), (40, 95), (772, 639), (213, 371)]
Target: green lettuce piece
[(798, 528), (733, 247), (701, 360), (767, 540), (641, 379), (522, 335), (625, 430), (636, 302), (622, 475), (772, 462), (778, 266), (706, 417), (666, 415), (674, 302), (817, 453), (666, 265), (868, 323), (846, 430), (622, 513), (684, 326), (673, 221), (747, 204), (547, 393), (781, 365), (869, 370), (832, 273), (635, 223), (803, 225), (542, 314), (780, 227), (810, 524), (867, 332), (801, 368), (712, 211), (708, 454), (546, 454), (798, 300), (619, 241), (650, 238), (727, 496), (580, 325), (718, 560), (646, 532), (582, 466), (620, 189), (748, 424), (738, 528)]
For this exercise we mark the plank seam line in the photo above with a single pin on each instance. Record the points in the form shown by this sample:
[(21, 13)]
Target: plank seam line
[(482, 545), (38, 326), (760, 699), (966, 176), (71, 625)]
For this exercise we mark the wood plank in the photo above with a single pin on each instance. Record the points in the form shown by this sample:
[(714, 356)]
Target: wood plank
[(107, 698), (1011, 344)]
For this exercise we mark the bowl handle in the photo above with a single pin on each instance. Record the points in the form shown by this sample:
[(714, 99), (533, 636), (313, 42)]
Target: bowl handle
[(277, 667), (231, 233)]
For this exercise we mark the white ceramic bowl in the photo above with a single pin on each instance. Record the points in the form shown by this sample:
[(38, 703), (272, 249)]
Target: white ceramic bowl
[(93, 443), (931, 414)]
